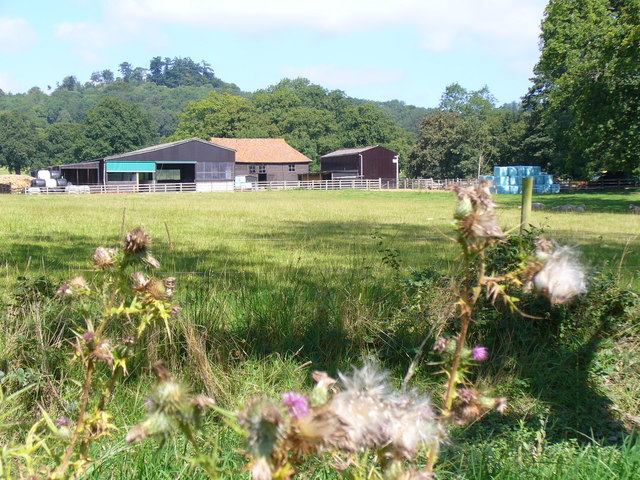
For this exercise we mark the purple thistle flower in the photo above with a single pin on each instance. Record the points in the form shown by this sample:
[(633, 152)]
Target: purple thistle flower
[(297, 404), (88, 337), (479, 353), (63, 422)]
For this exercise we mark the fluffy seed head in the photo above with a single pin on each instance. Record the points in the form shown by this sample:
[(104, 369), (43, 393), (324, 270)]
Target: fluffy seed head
[(377, 416), (562, 278), (136, 241), (103, 257)]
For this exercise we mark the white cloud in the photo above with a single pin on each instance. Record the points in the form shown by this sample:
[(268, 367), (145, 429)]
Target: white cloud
[(7, 83), (15, 35), (87, 35), (504, 25), (332, 76)]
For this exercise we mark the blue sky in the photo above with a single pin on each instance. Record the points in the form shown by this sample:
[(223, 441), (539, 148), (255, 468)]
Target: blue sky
[(408, 50)]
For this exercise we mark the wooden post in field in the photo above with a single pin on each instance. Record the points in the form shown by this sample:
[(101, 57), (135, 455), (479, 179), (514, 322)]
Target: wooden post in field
[(527, 194)]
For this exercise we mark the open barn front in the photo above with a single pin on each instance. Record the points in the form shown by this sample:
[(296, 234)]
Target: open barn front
[(175, 172)]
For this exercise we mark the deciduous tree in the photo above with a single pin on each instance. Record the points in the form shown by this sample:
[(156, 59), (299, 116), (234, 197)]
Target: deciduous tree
[(20, 141), (587, 84)]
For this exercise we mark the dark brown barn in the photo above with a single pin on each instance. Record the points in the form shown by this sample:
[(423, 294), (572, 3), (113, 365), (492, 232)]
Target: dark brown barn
[(369, 163), (209, 166), (266, 159)]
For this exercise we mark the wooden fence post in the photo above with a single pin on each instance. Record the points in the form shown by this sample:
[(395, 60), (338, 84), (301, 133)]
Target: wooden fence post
[(527, 194)]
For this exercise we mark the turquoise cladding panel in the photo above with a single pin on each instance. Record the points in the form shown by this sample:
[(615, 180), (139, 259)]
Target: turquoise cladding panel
[(125, 167)]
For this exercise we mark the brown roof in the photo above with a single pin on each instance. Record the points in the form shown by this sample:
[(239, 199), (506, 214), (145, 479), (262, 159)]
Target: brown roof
[(262, 150)]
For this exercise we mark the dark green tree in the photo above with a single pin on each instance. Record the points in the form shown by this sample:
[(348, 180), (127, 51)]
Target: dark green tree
[(63, 142), (20, 141), (114, 126)]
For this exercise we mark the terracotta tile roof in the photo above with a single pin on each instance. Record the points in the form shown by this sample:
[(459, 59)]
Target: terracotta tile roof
[(262, 150)]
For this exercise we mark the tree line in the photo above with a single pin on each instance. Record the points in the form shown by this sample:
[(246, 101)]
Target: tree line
[(580, 117)]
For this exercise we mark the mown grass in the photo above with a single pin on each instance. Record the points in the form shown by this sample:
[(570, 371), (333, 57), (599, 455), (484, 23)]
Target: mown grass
[(270, 281)]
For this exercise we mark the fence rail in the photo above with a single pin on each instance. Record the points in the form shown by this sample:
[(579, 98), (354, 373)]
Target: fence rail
[(342, 184), (614, 184)]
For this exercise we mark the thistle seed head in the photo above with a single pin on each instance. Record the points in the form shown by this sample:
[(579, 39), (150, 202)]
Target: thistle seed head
[(103, 353), (475, 212), (76, 285), (137, 433), (103, 257), (377, 416), (562, 278), (140, 281), (151, 261), (136, 241)]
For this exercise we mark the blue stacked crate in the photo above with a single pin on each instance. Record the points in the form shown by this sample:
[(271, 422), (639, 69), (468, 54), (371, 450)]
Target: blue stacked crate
[(509, 180)]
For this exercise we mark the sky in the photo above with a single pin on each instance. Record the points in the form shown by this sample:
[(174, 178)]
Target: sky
[(409, 50)]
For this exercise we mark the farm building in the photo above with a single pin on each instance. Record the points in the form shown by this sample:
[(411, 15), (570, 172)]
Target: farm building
[(210, 166), (368, 163), (266, 159)]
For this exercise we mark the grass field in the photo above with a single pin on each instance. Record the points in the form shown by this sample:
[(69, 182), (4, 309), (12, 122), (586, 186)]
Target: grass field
[(311, 230), (272, 280)]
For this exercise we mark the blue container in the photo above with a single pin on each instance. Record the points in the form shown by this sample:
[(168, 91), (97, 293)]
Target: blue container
[(536, 171), (502, 189), (555, 188), (514, 189), (548, 179), (513, 171), (501, 180)]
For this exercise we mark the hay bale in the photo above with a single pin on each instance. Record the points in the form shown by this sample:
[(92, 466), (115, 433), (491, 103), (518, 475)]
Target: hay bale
[(16, 182)]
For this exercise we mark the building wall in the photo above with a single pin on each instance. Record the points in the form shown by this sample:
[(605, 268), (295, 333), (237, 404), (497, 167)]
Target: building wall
[(275, 172), (213, 163), (378, 163)]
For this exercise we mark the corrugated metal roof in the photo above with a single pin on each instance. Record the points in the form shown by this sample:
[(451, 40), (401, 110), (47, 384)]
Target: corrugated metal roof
[(349, 151), (92, 164), (262, 150), (162, 146)]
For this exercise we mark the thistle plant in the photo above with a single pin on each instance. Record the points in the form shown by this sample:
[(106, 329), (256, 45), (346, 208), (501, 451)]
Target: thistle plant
[(553, 271), (118, 305)]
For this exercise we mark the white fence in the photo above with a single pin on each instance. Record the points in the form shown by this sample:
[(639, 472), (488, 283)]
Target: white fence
[(344, 184)]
